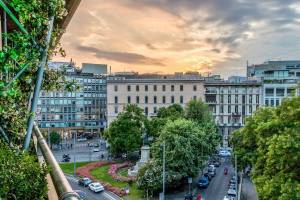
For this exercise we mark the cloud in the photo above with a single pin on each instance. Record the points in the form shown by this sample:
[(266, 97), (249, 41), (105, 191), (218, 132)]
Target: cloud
[(123, 57), (216, 50)]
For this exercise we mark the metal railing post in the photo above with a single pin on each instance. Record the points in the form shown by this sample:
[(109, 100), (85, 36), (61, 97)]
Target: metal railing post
[(38, 85)]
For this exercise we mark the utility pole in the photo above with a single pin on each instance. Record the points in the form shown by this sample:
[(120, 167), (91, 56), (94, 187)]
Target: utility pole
[(75, 136), (164, 169), (235, 164)]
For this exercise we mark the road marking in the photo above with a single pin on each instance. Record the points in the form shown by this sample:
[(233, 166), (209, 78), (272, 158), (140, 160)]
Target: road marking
[(109, 196)]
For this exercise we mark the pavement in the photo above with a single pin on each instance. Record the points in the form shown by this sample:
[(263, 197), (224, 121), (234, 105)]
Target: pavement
[(248, 190), (105, 195)]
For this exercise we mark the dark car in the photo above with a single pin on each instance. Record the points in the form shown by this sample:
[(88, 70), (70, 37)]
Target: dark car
[(84, 182), (81, 194), (66, 158), (203, 182), (209, 176)]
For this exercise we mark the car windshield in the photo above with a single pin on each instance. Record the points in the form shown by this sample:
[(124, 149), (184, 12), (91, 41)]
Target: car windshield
[(202, 180), (97, 185)]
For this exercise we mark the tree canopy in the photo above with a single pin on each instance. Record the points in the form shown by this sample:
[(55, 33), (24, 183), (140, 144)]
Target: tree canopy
[(270, 143), (186, 147), (198, 111), (124, 134)]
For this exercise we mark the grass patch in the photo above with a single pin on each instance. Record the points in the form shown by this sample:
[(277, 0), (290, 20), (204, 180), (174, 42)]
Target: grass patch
[(68, 168), (101, 173), (123, 172)]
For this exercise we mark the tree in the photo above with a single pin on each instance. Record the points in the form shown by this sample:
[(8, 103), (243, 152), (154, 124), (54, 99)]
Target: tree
[(156, 124), (55, 138), (124, 134), (172, 112), (198, 111), (21, 176), (184, 141), (269, 142)]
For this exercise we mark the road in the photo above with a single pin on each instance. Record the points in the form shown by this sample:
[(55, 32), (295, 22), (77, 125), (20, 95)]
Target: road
[(218, 186), (105, 195), (82, 152)]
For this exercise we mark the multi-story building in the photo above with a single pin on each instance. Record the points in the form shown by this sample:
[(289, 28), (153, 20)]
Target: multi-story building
[(82, 110), (231, 102), (151, 92), (279, 79)]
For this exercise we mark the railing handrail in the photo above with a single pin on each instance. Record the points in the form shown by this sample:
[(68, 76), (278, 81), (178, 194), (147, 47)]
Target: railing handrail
[(61, 184)]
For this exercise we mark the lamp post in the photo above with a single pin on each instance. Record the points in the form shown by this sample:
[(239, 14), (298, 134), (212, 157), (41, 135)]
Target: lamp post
[(75, 136)]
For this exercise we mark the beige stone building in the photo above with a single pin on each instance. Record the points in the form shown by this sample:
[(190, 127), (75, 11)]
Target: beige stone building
[(151, 92)]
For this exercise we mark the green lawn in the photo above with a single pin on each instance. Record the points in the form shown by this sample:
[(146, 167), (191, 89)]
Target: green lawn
[(68, 168), (101, 173), (123, 172)]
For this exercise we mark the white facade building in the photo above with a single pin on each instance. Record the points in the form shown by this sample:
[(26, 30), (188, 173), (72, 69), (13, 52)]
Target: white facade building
[(279, 78)]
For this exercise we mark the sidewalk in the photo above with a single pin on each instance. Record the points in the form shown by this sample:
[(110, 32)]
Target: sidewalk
[(248, 190)]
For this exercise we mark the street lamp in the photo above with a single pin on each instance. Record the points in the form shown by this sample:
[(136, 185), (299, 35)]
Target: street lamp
[(162, 195), (75, 136)]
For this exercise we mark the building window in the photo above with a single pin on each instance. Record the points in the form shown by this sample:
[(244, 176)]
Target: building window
[(163, 87), (154, 87), (221, 109), (146, 110), (243, 99), (128, 99), (116, 88), (163, 99), (195, 87), (181, 99), (181, 87), (146, 88), (154, 99), (236, 98), (146, 99), (137, 88), (257, 99), (250, 99), (229, 108), (172, 99), (277, 102), (137, 99), (250, 109), (272, 102), (229, 98), (172, 88), (236, 109), (243, 110), (195, 97), (154, 110), (128, 88), (116, 99), (280, 92), (269, 92), (116, 109), (222, 98), (267, 102)]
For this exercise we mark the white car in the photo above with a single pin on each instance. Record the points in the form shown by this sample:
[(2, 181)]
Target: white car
[(231, 192), (96, 187), (96, 150), (224, 153)]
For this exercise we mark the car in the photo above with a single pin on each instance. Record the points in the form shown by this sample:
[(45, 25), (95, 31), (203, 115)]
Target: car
[(84, 182), (96, 187), (81, 194), (66, 158), (217, 163), (96, 149), (212, 170), (209, 176), (224, 153), (203, 182), (96, 145), (231, 192)]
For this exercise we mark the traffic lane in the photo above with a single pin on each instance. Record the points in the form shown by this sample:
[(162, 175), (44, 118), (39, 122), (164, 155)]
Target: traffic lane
[(218, 186), (90, 194)]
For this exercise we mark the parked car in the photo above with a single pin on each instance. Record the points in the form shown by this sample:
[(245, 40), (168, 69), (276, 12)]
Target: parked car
[(96, 145), (208, 175), (96, 187), (231, 192), (217, 163), (96, 149), (224, 153), (203, 182), (81, 194), (84, 182)]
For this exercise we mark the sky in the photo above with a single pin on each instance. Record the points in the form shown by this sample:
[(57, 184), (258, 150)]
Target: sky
[(166, 36)]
